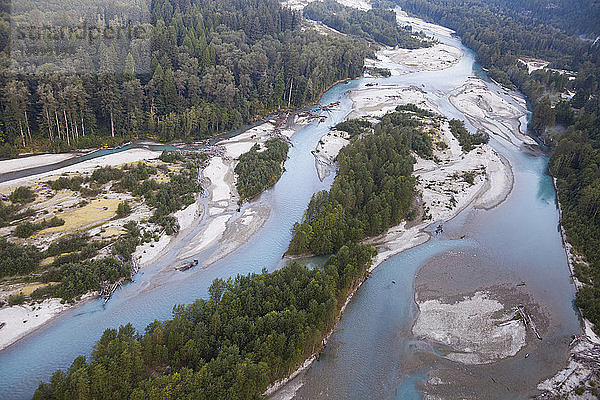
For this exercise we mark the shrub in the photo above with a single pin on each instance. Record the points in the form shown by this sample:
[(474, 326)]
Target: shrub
[(123, 209), (22, 194)]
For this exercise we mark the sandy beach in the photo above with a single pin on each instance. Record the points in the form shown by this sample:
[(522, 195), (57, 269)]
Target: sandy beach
[(23, 319), (482, 106), (403, 61)]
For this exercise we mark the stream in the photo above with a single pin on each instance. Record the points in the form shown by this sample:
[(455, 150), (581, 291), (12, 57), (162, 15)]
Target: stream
[(366, 355)]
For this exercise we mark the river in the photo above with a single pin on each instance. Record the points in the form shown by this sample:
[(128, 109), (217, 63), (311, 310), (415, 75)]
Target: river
[(365, 356)]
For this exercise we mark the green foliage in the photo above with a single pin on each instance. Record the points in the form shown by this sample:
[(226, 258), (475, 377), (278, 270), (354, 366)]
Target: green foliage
[(383, 72), (207, 67), (467, 140), (67, 244), (574, 162), (354, 127), (16, 299), (27, 228), (252, 331), (413, 108), (543, 116), (22, 194), (373, 190), (259, 170), (73, 183), (11, 212), (123, 209), (16, 259), (171, 156), (127, 243), (377, 24), (79, 278), (104, 175)]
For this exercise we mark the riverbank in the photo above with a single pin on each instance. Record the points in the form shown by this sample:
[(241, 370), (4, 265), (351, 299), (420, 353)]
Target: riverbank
[(442, 190), (21, 320), (583, 367), (215, 211), (228, 225)]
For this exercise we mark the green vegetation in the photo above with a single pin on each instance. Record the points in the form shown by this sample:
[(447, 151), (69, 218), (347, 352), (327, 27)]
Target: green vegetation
[(27, 228), (373, 190), (74, 183), (574, 162), (22, 194), (16, 299), (467, 140), (12, 212), (171, 157), (252, 331), (354, 127), (377, 24), (17, 260), (200, 68), (383, 72), (123, 209), (259, 170)]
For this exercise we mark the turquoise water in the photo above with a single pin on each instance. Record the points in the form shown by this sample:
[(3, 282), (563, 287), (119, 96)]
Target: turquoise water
[(372, 350), (366, 355), (155, 292)]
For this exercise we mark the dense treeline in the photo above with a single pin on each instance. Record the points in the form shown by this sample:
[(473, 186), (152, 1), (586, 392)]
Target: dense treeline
[(252, 331), (259, 170), (466, 139), (575, 163), (373, 190), (354, 127), (579, 17), (501, 31), (202, 67), (377, 24)]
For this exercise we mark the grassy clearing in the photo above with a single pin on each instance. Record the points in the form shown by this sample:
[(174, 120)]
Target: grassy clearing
[(96, 211), (28, 289)]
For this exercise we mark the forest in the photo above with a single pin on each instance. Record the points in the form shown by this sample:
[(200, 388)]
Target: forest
[(250, 332), (203, 67), (378, 24), (373, 190), (259, 170), (501, 31)]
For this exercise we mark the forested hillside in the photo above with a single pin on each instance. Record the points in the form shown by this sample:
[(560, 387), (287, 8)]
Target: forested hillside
[(501, 32), (189, 69), (378, 24)]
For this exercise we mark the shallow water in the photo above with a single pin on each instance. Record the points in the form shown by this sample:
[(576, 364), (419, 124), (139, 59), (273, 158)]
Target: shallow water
[(155, 291), (365, 356), (371, 353)]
